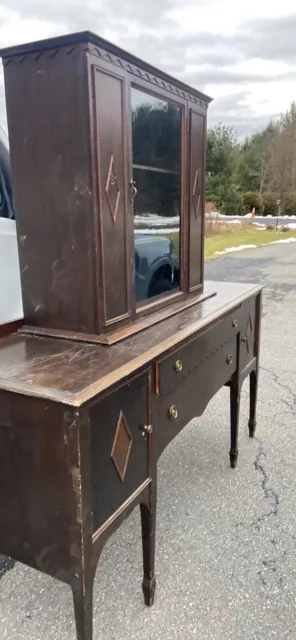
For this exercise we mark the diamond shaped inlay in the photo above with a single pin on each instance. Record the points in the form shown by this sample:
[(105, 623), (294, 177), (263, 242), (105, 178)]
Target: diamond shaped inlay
[(121, 446), (112, 190), (196, 194)]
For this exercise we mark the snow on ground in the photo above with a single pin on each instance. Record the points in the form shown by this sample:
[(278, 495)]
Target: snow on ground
[(153, 224), (284, 241), (241, 247), (156, 232)]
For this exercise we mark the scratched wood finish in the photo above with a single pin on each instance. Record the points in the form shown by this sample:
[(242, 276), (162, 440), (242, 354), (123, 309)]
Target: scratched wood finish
[(53, 191), (73, 372)]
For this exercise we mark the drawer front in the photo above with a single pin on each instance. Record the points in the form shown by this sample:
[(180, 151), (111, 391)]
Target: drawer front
[(172, 370), (183, 361), (190, 397), (119, 446)]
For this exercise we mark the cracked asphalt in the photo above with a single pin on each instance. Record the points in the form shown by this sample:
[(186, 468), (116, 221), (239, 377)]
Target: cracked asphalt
[(226, 539)]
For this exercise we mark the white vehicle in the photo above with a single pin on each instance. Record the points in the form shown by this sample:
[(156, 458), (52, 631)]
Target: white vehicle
[(11, 308)]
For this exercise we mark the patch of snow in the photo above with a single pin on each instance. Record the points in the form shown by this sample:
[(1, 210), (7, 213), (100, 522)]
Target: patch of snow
[(285, 241), (152, 219), (155, 232), (239, 248)]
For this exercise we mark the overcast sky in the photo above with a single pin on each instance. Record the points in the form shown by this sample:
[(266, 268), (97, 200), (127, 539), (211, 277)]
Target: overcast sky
[(243, 54)]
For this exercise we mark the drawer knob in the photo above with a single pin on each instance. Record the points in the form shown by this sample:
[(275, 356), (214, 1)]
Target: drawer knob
[(147, 429), (173, 412), (229, 359), (234, 324), (178, 365)]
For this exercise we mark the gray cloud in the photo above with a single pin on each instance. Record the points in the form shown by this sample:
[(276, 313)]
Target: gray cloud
[(93, 15), (235, 111), (214, 76), (147, 29), (268, 38)]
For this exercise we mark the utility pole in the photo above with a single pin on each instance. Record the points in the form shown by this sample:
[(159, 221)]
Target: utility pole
[(278, 212)]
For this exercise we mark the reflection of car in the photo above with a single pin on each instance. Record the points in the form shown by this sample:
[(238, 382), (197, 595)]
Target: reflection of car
[(156, 268)]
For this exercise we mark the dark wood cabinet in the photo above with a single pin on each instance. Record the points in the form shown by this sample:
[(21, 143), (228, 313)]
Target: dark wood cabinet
[(109, 135), (123, 342)]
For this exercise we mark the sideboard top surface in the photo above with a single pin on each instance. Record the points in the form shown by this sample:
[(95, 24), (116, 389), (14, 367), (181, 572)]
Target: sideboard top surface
[(73, 372)]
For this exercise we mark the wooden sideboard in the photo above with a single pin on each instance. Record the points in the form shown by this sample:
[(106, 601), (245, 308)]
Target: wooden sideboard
[(83, 425)]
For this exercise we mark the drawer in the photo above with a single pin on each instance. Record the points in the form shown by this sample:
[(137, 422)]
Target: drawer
[(190, 397), (173, 369)]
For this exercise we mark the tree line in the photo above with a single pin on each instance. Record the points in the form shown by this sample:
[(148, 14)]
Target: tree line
[(259, 172)]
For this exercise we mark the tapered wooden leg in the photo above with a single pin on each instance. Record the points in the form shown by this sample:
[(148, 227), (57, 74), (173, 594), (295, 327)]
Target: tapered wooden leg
[(253, 402), (148, 519), (234, 420), (83, 607)]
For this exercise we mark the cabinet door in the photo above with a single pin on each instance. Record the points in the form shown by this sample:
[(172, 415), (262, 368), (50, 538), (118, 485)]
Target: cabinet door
[(196, 197), (120, 447), (114, 206)]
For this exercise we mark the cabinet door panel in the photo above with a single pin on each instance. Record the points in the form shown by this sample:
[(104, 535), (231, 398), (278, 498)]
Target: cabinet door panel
[(120, 450), (196, 198), (115, 223)]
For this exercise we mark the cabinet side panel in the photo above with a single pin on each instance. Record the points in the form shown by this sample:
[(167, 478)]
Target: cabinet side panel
[(47, 99), (38, 492), (196, 199), (112, 175)]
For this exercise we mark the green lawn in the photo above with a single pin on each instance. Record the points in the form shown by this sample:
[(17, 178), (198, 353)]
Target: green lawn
[(240, 236), (236, 236)]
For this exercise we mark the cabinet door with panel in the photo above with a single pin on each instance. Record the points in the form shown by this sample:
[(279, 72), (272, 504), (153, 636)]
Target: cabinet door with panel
[(112, 175), (196, 197), (120, 446)]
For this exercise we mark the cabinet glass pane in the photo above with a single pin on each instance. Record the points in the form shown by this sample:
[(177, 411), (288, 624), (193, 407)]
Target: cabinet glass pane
[(156, 149)]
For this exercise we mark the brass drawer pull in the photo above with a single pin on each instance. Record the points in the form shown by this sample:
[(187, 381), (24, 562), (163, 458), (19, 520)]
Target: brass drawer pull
[(235, 324), (147, 429), (178, 365), (173, 413), (229, 359)]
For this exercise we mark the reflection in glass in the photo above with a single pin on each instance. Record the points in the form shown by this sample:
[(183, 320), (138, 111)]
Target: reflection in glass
[(156, 146)]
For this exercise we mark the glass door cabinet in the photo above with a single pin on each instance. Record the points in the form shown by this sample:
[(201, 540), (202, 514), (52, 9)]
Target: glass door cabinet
[(119, 150)]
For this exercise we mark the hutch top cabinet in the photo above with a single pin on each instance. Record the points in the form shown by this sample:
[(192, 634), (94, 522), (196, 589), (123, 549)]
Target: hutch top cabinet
[(110, 211)]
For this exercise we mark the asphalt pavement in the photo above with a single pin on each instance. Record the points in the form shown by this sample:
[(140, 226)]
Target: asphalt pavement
[(226, 539)]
